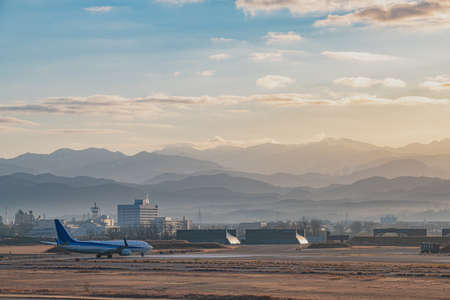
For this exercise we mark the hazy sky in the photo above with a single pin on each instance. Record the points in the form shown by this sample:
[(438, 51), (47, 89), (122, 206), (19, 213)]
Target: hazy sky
[(134, 75)]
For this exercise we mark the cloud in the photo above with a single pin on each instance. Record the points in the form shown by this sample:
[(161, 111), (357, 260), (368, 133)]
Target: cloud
[(176, 74), (95, 104), (438, 83), (419, 14), (219, 56), (356, 82), (407, 100), (359, 56), (158, 125), (426, 14), (393, 82), (274, 82), (144, 108), (179, 2), (15, 121), (221, 40), (217, 141), (274, 56), (266, 56), (298, 7), (98, 9), (207, 73), (282, 38), (83, 131), (365, 82)]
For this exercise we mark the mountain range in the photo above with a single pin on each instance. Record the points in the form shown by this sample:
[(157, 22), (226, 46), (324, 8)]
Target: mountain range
[(335, 157), (223, 198), (318, 164), (329, 179), (102, 163)]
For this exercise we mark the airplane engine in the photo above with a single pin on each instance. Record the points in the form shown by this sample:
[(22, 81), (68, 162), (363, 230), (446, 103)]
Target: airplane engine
[(125, 252)]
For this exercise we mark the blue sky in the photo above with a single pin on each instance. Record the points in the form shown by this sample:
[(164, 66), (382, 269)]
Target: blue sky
[(137, 75)]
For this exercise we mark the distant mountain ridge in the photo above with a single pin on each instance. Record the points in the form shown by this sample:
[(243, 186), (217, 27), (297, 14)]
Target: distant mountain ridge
[(317, 164), (223, 198), (102, 163), (334, 160)]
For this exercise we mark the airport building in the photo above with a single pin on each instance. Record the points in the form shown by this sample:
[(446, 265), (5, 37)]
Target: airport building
[(141, 213), (399, 232), (243, 227), (273, 236), (222, 236), (43, 228), (168, 226), (23, 218)]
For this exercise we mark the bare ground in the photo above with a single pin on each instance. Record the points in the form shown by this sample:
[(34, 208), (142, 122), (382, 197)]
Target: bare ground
[(238, 277)]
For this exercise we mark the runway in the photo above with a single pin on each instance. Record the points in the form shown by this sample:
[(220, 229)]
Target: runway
[(244, 272), (291, 252)]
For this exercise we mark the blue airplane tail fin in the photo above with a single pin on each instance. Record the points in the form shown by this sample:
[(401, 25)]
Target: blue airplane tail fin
[(63, 236)]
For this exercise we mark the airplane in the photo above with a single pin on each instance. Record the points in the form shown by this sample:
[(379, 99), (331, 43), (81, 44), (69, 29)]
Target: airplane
[(100, 248)]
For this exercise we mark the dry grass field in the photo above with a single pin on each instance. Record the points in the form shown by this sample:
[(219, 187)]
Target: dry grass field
[(257, 272)]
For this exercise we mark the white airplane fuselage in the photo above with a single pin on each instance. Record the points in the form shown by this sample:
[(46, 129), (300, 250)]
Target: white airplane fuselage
[(106, 248)]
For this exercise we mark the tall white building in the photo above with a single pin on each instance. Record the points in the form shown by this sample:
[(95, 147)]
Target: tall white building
[(141, 213)]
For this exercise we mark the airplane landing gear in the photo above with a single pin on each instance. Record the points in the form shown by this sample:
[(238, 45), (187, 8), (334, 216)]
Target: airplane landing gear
[(98, 255)]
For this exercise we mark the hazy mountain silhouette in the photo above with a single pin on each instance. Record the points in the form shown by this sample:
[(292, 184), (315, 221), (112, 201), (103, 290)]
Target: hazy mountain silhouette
[(102, 163), (329, 156), (236, 184), (317, 164), (8, 168), (277, 179), (433, 148), (220, 195)]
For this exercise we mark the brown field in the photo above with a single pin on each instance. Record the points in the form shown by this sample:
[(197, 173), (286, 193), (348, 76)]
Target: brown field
[(246, 272)]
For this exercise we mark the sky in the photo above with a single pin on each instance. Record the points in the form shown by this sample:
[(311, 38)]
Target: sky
[(134, 75)]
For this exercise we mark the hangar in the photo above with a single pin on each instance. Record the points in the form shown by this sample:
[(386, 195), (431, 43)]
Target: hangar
[(403, 232), (223, 236), (274, 236)]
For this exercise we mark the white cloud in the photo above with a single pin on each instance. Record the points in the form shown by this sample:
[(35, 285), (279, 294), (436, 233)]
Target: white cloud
[(16, 121), (356, 82), (83, 131), (365, 82), (298, 7), (217, 141), (393, 82), (274, 56), (274, 82), (143, 108), (438, 83), (359, 56), (207, 73), (158, 125), (98, 9), (219, 56), (266, 56), (282, 38), (421, 15)]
